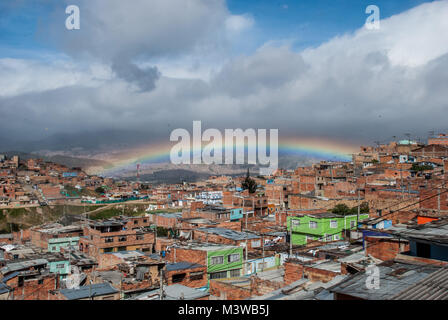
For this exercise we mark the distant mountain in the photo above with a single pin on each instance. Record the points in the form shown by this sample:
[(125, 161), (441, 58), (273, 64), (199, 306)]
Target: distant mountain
[(60, 159)]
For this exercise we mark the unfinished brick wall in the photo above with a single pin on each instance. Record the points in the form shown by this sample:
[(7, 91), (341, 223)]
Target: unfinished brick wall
[(187, 281), (233, 225), (315, 274), (34, 289), (188, 255), (226, 291), (385, 248), (293, 272), (260, 287)]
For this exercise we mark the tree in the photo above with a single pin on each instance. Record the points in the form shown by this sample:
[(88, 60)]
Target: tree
[(418, 167), (344, 210), (249, 183), (341, 209), (100, 190)]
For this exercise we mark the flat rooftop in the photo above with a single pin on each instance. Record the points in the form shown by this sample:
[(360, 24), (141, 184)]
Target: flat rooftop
[(229, 233), (395, 277)]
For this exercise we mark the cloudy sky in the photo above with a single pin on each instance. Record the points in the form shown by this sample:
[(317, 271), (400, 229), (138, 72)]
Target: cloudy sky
[(138, 69)]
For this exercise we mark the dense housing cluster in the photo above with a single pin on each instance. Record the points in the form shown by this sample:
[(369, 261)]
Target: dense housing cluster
[(313, 232)]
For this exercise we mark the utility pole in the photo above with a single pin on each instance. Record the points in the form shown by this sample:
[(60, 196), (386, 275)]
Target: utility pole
[(290, 235), (262, 240), (155, 237), (401, 177), (359, 210), (161, 285)]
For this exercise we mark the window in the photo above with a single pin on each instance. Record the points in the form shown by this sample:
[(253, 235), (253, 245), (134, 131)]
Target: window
[(423, 250), (60, 266), (196, 275), (233, 257), (336, 237), (140, 237), (218, 275), (329, 238), (178, 277), (53, 248), (108, 249), (122, 239), (313, 225), (109, 240), (135, 221), (217, 260), (352, 224), (40, 281), (333, 224), (121, 249), (256, 243), (145, 220), (295, 223), (235, 273)]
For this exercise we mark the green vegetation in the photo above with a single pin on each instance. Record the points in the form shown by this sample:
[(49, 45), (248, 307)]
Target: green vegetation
[(72, 191), (249, 183), (163, 211), (343, 209), (417, 167), (164, 232), (100, 190)]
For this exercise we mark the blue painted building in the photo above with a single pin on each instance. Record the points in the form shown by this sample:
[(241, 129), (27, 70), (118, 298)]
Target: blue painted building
[(236, 214)]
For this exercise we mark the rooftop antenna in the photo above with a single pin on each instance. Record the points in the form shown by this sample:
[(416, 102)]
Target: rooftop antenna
[(408, 135)]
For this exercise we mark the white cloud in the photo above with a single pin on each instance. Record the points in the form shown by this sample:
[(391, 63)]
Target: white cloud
[(368, 85), (239, 23)]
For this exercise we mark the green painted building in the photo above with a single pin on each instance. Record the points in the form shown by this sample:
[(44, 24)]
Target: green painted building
[(224, 262), (321, 227), (55, 244), (61, 267)]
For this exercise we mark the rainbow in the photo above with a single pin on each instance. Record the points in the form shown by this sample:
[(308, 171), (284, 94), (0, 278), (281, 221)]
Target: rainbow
[(316, 148)]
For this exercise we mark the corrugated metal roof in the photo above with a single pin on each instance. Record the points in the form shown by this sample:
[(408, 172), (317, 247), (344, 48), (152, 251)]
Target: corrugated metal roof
[(174, 292), (92, 290), (182, 265), (9, 276), (393, 278), (435, 231), (229, 234), (16, 266), (433, 287), (4, 288)]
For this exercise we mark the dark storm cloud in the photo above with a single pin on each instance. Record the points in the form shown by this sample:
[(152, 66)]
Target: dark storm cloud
[(145, 79), (118, 32)]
